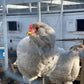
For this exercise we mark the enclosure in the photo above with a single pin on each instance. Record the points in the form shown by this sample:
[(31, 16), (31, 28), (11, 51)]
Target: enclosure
[(66, 17)]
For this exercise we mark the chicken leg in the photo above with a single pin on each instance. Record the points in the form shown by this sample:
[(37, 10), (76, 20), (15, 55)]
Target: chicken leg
[(43, 80)]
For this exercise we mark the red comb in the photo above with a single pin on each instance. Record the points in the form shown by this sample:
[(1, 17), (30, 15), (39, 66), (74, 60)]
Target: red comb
[(82, 45), (81, 49), (30, 27)]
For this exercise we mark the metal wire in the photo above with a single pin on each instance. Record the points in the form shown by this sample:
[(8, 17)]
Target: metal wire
[(5, 34), (7, 71)]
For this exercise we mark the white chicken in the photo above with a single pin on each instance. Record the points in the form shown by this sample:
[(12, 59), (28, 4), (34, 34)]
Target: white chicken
[(67, 68), (35, 53)]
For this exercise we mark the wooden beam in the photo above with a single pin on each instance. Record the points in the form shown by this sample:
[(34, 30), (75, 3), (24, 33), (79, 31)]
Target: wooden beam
[(82, 72)]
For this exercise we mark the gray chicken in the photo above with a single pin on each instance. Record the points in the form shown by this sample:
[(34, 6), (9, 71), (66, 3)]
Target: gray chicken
[(36, 52), (67, 68)]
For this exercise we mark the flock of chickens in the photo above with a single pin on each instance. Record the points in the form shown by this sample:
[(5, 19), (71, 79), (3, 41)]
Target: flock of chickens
[(39, 56)]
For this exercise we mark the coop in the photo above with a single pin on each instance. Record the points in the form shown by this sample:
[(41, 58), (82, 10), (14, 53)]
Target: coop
[(66, 17)]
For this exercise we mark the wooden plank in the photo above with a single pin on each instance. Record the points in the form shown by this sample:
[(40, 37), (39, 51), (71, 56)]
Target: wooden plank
[(82, 72)]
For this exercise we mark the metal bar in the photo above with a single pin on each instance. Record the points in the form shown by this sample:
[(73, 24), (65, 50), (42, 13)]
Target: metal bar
[(5, 34), (39, 11), (7, 71), (61, 20), (72, 39), (23, 1), (47, 7), (61, 16), (30, 9)]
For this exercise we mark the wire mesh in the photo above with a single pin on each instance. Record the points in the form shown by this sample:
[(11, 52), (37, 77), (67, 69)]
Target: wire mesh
[(12, 70)]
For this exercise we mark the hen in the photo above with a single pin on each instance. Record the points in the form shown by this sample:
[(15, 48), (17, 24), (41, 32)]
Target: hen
[(36, 52), (67, 68)]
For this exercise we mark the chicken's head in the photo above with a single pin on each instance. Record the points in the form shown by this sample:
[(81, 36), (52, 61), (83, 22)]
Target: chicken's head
[(41, 34), (33, 29), (77, 47)]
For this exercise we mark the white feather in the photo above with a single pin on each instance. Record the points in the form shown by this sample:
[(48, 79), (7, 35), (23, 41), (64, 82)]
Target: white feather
[(36, 56), (67, 67)]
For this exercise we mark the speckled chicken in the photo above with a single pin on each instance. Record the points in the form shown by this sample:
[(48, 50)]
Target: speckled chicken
[(67, 68), (36, 56)]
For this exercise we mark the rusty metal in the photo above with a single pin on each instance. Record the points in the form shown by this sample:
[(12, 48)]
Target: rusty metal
[(70, 39)]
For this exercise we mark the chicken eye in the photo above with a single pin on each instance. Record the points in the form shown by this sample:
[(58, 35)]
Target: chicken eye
[(37, 28)]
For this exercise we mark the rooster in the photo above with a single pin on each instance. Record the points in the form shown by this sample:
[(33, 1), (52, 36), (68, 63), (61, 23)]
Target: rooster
[(36, 52)]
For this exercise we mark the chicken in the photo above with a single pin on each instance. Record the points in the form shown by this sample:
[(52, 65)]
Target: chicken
[(67, 68), (81, 54), (36, 52)]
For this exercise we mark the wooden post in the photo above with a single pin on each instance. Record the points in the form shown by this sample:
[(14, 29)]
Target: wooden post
[(82, 70)]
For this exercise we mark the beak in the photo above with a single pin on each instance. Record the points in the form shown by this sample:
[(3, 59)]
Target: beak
[(28, 33)]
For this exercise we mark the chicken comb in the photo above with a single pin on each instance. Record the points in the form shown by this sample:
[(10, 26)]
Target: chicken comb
[(30, 27), (83, 45)]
